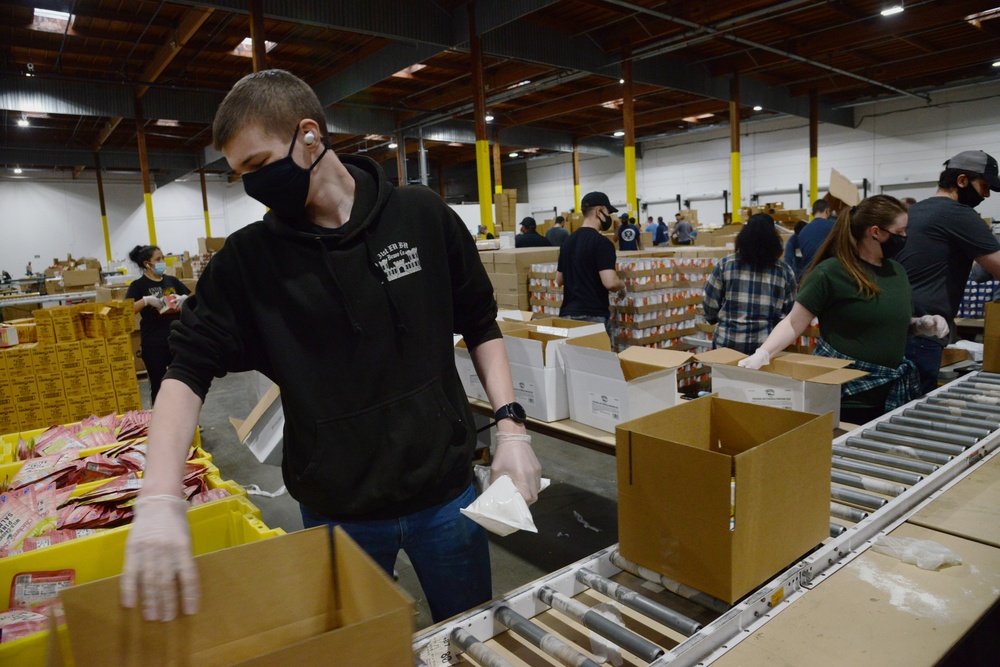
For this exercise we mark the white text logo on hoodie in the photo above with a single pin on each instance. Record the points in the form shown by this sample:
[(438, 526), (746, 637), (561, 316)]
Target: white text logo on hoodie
[(399, 260)]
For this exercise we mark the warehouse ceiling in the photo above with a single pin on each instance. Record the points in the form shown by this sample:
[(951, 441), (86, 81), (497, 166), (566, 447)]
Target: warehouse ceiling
[(78, 77)]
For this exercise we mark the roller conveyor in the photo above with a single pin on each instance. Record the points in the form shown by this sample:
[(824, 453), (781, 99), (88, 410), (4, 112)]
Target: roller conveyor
[(880, 472)]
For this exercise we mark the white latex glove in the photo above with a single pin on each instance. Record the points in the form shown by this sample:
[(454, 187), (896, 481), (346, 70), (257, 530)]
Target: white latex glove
[(157, 554), (181, 298), (515, 458), (154, 301), (756, 360), (930, 325)]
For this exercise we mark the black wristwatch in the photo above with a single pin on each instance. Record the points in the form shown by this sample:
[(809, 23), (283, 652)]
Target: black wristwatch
[(511, 411)]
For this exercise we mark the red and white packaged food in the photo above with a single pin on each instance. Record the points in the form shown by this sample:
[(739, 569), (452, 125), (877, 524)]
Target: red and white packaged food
[(208, 496), (17, 623), (31, 590)]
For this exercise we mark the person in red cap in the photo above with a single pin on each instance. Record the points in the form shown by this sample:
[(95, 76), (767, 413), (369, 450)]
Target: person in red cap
[(587, 265), (945, 236)]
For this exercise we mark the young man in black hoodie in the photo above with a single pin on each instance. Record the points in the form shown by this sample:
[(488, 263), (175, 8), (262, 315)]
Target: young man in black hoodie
[(346, 295)]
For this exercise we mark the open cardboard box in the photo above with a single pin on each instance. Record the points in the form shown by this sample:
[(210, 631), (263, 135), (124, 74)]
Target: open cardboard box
[(467, 370), (538, 373), (263, 431), (561, 326), (606, 389), (791, 381), (685, 472), (991, 338), (297, 599)]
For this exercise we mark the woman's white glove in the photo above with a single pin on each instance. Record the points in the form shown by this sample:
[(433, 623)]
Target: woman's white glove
[(154, 301), (515, 458), (930, 325), (756, 360), (157, 555)]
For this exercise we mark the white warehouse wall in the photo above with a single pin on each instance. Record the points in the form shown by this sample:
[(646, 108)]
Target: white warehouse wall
[(899, 146)]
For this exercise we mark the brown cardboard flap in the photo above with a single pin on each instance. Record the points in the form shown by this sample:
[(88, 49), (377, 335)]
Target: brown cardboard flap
[(720, 355), (245, 427), (841, 376), (842, 188), (638, 361), (543, 338)]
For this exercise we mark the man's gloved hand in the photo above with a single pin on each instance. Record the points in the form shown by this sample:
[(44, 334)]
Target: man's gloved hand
[(515, 458), (154, 302), (756, 360), (930, 325), (181, 298), (157, 555)]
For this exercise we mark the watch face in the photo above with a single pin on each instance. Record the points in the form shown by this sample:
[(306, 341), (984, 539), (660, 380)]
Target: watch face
[(517, 412)]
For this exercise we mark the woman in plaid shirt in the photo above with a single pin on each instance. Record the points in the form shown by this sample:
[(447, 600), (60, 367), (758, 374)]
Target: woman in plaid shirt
[(750, 291)]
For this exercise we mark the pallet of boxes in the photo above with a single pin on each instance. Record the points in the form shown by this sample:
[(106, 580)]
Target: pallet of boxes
[(506, 211), (509, 271), (81, 364)]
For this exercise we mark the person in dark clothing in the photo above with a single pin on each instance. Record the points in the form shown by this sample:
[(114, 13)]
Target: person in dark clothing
[(946, 236), (485, 233), (529, 237), (151, 293), (628, 236), (662, 235), (558, 234), (346, 295), (812, 237), (793, 252), (586, 265)]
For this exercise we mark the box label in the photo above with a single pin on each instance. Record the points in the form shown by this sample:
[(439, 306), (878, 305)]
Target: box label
[(772, 397), (602, 405), (525, 392)]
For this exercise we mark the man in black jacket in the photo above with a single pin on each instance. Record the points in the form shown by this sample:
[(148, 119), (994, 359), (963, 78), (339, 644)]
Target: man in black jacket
[(347, 295), (529, 236)]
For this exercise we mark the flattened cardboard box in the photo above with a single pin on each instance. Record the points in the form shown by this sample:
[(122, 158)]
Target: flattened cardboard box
[(606, 389), (683, 473), (297, 599), (791, 381)]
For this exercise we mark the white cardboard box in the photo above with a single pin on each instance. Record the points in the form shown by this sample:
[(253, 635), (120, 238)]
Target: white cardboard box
[(606, 389), (799, 382), (538, 373), (561, 326), (467, 370)]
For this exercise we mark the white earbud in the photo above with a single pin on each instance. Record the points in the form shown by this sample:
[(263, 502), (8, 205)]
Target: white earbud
[(310, 138)]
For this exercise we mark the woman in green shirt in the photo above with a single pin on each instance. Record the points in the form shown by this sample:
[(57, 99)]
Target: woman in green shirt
[(863, 300)]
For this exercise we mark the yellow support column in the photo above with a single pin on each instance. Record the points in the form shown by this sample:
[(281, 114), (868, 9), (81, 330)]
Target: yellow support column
[(734, 140), (628, 113), (483, 179), (813, 147), (482, 140), (147, 188), (497, 171), (576, 177)]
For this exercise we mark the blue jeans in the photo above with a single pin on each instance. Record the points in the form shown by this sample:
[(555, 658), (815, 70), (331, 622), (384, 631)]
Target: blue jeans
[(449, 552), (926, 356)]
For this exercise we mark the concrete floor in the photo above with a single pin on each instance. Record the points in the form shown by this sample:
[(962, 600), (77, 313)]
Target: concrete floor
[(575, 517)]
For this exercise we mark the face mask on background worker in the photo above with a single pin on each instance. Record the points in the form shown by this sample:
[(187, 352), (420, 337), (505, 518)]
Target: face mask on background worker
[(893, 245), (160, 268), (605, 221), (283, 186), (969, 195)]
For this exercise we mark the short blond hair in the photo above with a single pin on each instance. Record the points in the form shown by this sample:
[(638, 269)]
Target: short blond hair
[(274, 99)]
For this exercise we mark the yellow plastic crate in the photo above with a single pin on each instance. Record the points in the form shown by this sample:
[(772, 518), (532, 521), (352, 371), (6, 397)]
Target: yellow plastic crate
[(214, 526), (8, 441)]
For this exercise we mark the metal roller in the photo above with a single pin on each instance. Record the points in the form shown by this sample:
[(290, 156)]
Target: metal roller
[(889, 460), (984, 387), (618, 634), (866, 483), (976, 395), (950, 438), (546, 641), (675, 587), (988, 374), (890, 474), (836, 530), (668, 617), (477, 650), (865, 500), (898, 450), (980, 379), (963, 401), (940, 425), (954, 415), (851, 514), (916, 443)]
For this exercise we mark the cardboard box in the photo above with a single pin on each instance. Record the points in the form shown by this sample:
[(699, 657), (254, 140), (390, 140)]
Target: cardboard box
[(8, 336), (791, 381), (30, 416), (991, 337), (538, 373), (110, 293), (94, 352), (70, 356), (520, 259), (44, 330), (128, 399), (50, 386), (119, 346), (81, 279), (313, 599), (561, 326), (80, 407), (210, 245), (509, 282), (24, 389), (19, 360), (105, 402), (99, 379), (263, 430), (55, 412), (606, 389), (76, 384), (467, 371), (686, 472)]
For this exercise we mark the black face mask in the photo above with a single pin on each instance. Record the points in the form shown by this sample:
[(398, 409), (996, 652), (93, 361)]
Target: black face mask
[(605, 221), (892, 245), (282, 186), (969, 196)]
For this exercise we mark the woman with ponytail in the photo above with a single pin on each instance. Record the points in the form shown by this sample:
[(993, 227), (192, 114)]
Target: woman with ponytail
[(863, 300), (158, 298)]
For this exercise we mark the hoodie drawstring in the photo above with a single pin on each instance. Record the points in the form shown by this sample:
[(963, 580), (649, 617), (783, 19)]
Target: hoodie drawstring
[(351, 318)]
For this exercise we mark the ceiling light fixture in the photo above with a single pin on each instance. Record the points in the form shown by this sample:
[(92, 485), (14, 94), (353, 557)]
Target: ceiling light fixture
[(22, 121), (620, 133), (758, 108), (17, 170), (621, 80), (245, 48), (49, 14), (996, 64), (895, 9), (393, 144), (513, 155), (489, 118)]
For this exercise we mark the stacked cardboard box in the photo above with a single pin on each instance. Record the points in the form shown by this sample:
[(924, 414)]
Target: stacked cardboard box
[(509, 270), (777, 210), (81, 365), (506, 211)]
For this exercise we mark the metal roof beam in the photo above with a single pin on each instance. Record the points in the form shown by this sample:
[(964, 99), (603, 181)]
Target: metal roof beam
[(464, 132), (373, 69), (57, 156)]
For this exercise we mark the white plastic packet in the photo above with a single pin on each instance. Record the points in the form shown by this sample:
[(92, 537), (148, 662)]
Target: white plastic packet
[(500, 509), (925, 554)]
